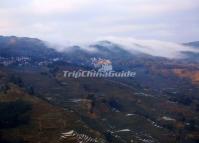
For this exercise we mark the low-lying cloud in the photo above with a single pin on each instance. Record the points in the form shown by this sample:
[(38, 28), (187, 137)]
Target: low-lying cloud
[(151, 47)]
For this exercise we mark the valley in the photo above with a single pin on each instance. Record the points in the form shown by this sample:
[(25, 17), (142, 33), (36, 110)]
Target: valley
[(159, 105)]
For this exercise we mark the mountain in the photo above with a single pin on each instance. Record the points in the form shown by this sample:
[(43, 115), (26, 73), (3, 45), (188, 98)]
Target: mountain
[(193, 44), (150, 68), (116, 51), (39, 104), (12, 46), (193, 56), (31, 47)]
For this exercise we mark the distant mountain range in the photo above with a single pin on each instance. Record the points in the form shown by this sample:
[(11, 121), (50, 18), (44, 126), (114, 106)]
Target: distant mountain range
[(191, 55), (39, 104), (193, 44), (38, 49)]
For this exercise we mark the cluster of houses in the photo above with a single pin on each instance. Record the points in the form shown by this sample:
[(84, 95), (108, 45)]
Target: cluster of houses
[(21, 61), (14, 60)]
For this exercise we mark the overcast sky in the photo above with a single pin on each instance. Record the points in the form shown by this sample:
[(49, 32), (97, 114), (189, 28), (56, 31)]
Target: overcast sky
[(84, 20)]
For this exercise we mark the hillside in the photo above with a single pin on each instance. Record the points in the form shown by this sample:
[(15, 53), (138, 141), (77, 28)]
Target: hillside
[(28, 47), (193, 44), (38, 121), (159, 105)]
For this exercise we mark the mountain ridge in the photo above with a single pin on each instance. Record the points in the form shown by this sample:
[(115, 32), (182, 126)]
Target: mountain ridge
[(36, 48)]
